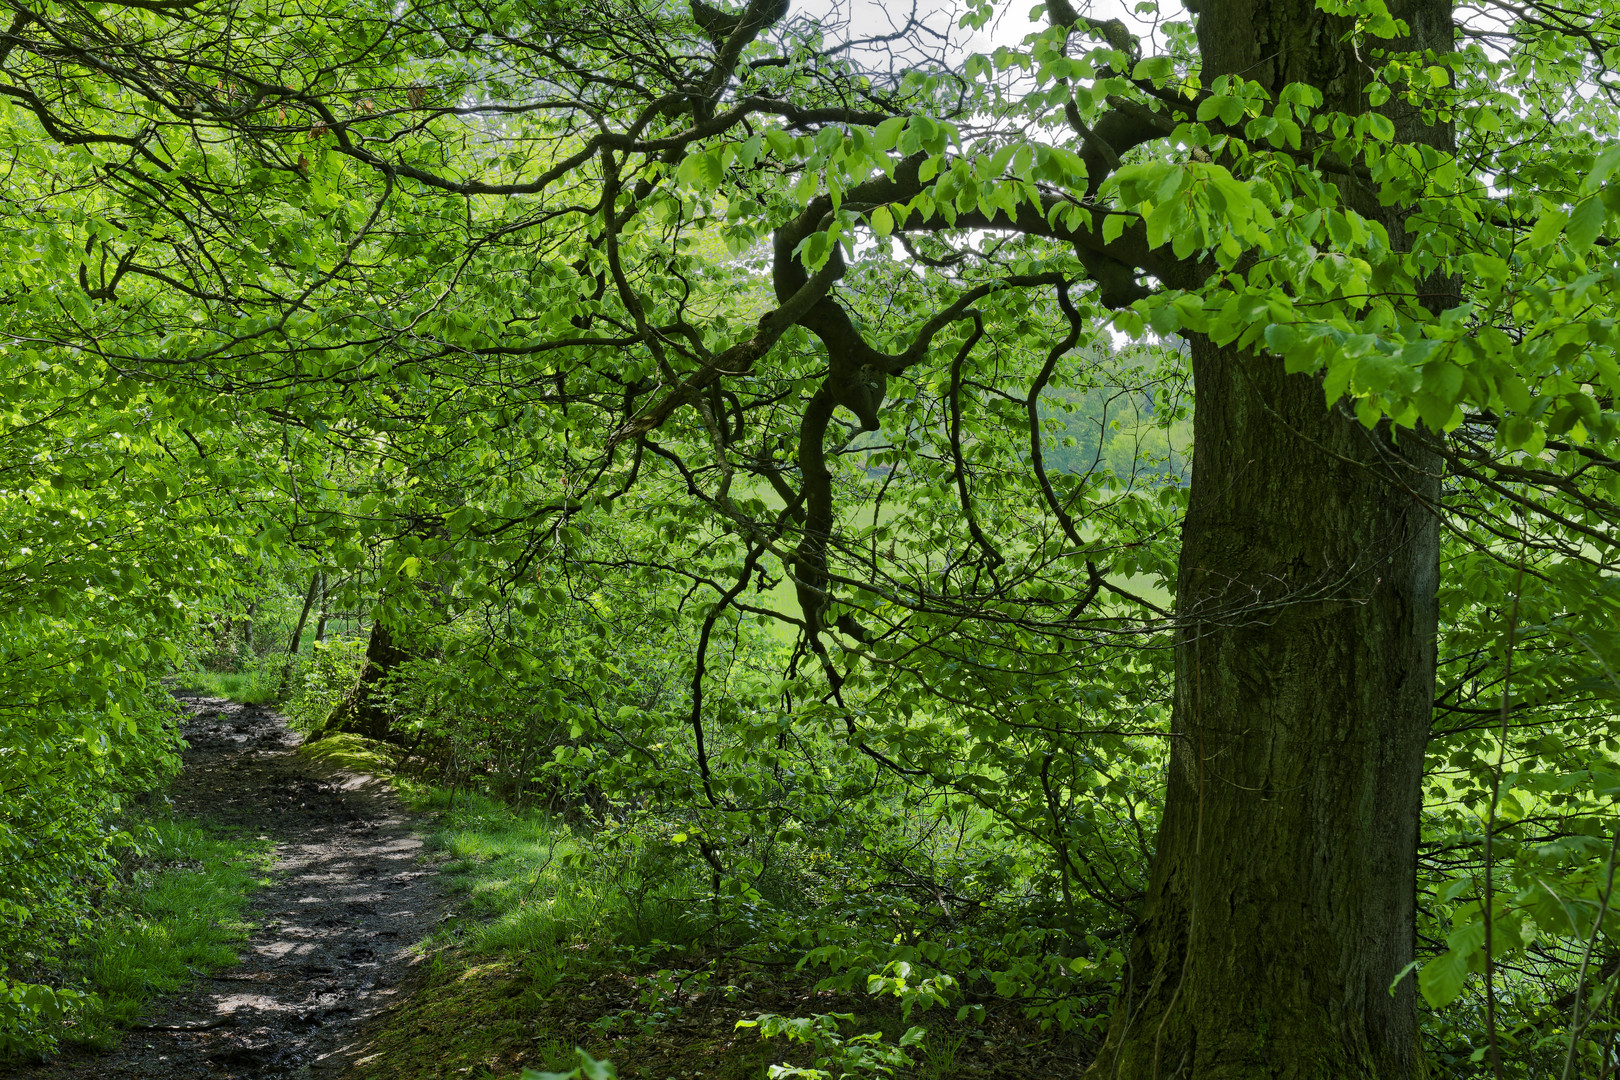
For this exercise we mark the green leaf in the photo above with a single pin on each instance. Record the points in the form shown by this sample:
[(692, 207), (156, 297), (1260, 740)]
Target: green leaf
[(589, 1068), (1160, 222), (1170, 184), (1281, 337), (1113, 227), (781, 143), (1165, 320), (1435, 411), (1368, 412), (887, 134), (1336, 382), (1442, 378), (1442, 978), (882, 221), (1516, 431), (1515, 394), (695, 171), (1602, 169), (1585, 223), (1154, 68), (1547, 229)]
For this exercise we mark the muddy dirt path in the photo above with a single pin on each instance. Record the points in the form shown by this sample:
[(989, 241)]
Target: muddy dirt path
[(350, 894)]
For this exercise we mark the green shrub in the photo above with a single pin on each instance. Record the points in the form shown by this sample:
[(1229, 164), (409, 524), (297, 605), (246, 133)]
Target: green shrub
[(63, 776), (171, 907), (321, 678)]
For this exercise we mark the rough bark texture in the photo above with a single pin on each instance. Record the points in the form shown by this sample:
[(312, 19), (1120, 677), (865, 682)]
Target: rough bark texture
[(1281, 903), (1280, 906)]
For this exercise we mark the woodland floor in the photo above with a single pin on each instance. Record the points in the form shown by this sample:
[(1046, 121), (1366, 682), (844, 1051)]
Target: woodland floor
[(329, 987), (350, 893)]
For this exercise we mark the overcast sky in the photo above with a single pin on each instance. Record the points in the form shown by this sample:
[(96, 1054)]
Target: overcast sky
[(1010, 25)]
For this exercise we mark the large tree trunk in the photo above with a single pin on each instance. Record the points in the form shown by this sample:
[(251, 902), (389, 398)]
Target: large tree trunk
[(365, 710), (1280, 907), (1281, 902)]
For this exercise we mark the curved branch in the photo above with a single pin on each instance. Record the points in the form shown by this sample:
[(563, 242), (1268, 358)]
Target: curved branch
[(955, 433)]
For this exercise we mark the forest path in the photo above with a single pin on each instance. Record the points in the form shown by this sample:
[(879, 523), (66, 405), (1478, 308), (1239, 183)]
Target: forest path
[(349, 895)]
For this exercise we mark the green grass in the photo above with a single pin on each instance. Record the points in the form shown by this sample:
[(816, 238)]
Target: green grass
[(545, 916), (531, 889), (260, 684), (177, 915), (246, 687)]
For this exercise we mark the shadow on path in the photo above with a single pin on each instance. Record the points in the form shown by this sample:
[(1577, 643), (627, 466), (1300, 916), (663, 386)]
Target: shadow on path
[(350, 893)]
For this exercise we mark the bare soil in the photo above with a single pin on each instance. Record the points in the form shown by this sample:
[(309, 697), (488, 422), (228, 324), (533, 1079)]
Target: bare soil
[(351, 892)]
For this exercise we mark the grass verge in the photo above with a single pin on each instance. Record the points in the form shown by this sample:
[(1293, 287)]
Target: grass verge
[(251, 687), (552, 949), (567, 940), (174, 913)]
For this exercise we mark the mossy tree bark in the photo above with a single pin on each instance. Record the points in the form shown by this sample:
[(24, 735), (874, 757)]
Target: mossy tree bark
[(1281, 903), (364, 711)]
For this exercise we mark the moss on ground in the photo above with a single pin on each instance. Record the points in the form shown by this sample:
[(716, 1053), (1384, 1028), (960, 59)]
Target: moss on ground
[(353, 752), (458, 1020), (471, 1016)]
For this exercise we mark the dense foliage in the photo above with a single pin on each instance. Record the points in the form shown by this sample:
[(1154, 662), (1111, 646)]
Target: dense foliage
[(771, 441)]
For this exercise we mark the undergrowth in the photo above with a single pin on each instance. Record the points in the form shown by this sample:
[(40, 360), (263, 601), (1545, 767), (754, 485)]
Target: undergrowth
[(573, 937), (172, 912), (532, 885), (554, 948), (588, 936), (304, 686)]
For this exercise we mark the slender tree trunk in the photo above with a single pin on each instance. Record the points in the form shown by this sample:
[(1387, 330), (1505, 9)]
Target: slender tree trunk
[(1281, 903), (298, 633), (303, 616), (320, 621)]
